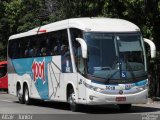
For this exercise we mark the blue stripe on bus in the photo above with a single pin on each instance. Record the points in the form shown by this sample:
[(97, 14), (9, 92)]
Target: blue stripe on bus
[(39, 75), (140, 83), (37, 70)]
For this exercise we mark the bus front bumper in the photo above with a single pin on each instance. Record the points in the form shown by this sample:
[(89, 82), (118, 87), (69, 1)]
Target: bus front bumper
[(96, 98)]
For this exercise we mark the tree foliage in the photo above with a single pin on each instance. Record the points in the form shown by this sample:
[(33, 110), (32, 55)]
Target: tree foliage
[(22, 15)]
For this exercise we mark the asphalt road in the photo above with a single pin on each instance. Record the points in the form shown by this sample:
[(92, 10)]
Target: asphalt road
[(11, 109)]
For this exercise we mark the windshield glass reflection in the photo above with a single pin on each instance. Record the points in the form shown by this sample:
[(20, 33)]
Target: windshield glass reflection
[(115, 56)]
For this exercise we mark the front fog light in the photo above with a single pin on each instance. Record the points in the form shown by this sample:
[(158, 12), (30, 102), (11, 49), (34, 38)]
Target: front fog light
[(91, 97)]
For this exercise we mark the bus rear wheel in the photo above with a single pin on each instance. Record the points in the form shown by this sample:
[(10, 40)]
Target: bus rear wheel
[(71, 100), (27, 99), (125, 107)]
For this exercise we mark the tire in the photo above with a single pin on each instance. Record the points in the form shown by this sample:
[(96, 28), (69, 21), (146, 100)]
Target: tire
[(71, 101), (7, 91), (125, 107), (27, 99), (20, 97)]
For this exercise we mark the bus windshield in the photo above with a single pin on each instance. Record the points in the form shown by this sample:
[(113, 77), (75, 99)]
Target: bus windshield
[(115, 56)]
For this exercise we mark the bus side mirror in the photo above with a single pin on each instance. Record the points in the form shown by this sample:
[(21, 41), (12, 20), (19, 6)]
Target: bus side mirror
[(152, 47), (83, 47)]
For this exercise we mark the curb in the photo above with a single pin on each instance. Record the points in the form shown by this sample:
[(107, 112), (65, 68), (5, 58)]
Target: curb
[(153, 100)]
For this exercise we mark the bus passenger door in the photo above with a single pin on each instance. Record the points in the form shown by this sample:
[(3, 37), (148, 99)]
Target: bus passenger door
[(79, 62), (81, 78), (81, 89)]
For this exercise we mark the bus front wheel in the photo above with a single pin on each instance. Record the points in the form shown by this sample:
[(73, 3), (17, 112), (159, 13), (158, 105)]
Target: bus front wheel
[(71, 100)]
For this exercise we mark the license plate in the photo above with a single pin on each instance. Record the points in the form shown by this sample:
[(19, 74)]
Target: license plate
[(119, 99)]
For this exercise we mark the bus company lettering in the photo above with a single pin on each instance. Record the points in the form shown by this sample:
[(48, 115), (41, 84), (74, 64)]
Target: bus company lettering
[(38, 70)]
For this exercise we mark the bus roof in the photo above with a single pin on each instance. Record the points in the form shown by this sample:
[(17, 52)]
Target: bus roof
[(85, 24)]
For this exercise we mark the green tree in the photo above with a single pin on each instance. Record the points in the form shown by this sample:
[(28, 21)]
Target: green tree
[(3, 31), (22, 15), (80, 8), (13, 13)]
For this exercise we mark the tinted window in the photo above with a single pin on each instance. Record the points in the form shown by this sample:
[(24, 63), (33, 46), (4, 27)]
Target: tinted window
[(3, 70), (50, 44)]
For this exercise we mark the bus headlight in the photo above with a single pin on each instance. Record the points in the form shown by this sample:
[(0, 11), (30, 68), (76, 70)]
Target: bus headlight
[(97, 89), (141, 88)]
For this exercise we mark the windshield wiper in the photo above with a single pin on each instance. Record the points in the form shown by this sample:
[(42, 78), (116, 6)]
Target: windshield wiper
[(109, 78), (115, 67), (120, 70)]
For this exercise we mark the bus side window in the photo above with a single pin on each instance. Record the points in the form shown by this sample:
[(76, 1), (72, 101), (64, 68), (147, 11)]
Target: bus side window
[(50, 45), (27, 47), (50, 48), (40, 46), (13, 50), (64, 51)]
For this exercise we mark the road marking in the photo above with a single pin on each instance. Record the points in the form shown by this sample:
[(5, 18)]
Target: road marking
[(6, 101)]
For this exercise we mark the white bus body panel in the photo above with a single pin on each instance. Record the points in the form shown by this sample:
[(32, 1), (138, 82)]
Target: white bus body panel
[(85, 24), (12, 84), (58, 81)]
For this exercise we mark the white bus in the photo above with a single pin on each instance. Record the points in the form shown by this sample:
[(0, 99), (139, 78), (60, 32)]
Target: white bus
[(91, 61)]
